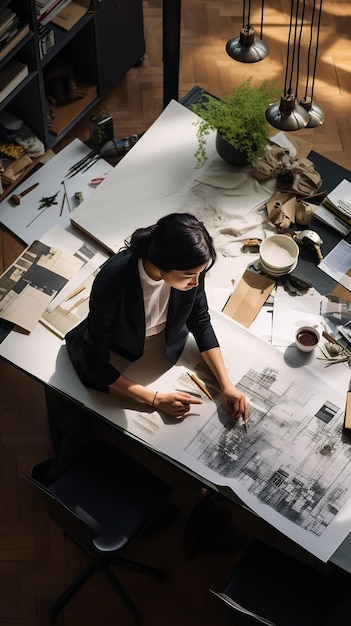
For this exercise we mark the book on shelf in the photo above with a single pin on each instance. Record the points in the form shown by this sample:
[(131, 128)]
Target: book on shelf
[(11, 76), (44, 5), (9, 31), (49, 14), (10, 43), (4, 14), (7, 18)]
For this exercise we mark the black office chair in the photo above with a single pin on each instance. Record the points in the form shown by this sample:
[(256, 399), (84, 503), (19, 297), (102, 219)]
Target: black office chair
[(269, 587), (103, 501)]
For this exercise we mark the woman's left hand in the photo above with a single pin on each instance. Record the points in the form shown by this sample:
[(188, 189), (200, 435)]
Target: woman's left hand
[(236, 402)]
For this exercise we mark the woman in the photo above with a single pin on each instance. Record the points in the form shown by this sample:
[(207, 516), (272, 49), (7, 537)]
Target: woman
[(154, 285)]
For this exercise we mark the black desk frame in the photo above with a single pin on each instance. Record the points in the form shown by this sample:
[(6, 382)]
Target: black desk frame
[(171, 18)]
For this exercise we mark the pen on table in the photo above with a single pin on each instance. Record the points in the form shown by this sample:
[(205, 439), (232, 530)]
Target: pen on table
[(75, 292), (347, 414), (63, 203), (92, 162), (201, 386), (77, 167)]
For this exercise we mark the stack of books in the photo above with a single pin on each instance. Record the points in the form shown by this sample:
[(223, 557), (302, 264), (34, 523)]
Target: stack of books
[(335, 209), (48, 9), (8, 19), (11, 76), (11, 31)]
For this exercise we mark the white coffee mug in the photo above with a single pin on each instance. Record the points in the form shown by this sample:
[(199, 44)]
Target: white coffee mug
[(307, 338)]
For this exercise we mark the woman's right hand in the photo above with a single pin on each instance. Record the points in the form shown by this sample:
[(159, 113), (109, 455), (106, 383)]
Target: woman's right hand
[(176, 403)]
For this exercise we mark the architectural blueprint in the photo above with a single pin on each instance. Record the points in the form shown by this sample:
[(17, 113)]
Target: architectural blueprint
[(292, 457), (293, 465)]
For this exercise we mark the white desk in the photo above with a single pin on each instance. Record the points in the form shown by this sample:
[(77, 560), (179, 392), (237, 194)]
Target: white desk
[(145, 189)]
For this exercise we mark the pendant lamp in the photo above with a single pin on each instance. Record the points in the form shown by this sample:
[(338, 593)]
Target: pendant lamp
[(316, 116), (247, 48), (288, 114)]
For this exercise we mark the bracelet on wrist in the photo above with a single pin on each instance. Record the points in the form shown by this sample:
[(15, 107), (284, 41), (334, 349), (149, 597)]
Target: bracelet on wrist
[(154, 398)]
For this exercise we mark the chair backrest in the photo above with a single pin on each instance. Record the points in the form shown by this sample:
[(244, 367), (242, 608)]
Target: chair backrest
[(270, 587), (104, 499), (74, 524), (233, 607)]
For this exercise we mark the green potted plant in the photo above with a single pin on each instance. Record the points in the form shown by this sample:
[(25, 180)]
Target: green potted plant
[(239, 119)]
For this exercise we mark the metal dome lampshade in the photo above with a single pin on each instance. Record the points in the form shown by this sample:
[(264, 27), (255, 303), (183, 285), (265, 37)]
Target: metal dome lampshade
[(290, 114), (287, 114), (247, 48)]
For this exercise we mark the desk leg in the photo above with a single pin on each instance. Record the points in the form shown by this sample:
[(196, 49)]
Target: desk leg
[(54, 416), (70, 426), (210, 528), (171, 49)]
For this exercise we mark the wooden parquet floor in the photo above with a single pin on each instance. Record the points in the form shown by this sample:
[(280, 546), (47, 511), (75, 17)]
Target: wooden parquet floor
[(206, 27), (36, 561)]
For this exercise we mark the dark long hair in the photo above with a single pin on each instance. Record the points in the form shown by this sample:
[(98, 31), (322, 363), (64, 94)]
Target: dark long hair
[(178, 241)]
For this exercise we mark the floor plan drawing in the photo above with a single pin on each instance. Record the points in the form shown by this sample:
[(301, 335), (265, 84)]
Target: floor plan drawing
[(292, 458)]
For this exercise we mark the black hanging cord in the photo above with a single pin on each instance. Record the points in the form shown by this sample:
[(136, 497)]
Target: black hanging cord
[(317, 44), (249, 16), (288, 50), (299, 46), (294, 48), (244, 14), (262, 12)]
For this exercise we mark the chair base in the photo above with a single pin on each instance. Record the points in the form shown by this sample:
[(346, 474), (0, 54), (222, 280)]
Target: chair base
[(104, 567)]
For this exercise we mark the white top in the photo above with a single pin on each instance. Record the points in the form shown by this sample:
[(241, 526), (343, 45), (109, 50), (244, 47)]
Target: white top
[(156, 297)]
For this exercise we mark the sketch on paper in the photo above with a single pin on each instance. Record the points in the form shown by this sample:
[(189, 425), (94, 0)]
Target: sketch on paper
[(32, 281), (292, 458)]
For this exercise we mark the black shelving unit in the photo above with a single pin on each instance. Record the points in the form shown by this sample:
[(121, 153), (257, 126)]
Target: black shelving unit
[(101, 48)]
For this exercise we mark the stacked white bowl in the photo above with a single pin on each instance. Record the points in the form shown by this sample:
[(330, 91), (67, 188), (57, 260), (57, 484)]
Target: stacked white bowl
[(278, 255)]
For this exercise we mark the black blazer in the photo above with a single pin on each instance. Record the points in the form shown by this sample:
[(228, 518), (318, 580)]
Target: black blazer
[(116, 321)]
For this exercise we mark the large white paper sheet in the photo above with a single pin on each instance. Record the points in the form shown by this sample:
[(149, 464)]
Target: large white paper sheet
[(293, 467), (159, 176)]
